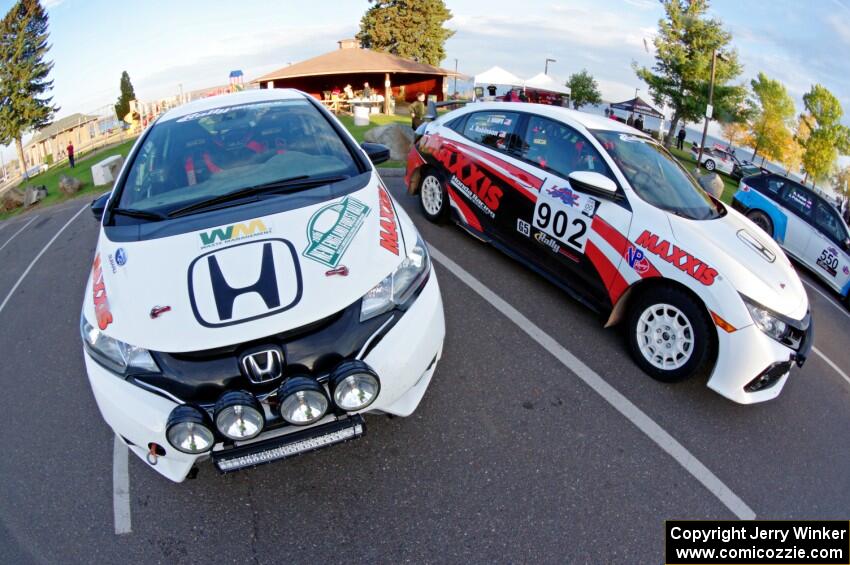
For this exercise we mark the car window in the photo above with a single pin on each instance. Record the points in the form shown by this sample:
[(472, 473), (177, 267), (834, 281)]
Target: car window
[(657, 177), (457, 124), (799, 200), (493, 129), (559, 148), (775, 185), (827, 221), (207, 154)]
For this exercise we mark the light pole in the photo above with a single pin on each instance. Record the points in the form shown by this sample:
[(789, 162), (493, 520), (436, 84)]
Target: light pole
[(710, 108), (455, 90), (546, 67)]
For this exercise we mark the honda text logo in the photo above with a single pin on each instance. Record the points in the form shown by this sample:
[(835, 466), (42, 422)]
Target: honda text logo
[(262, 366), (244, 282)]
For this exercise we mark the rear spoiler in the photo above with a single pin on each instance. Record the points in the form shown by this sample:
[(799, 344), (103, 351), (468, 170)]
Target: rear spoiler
[(431, 113)]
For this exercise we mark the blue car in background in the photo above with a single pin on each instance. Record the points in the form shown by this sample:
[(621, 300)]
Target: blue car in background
[(805, 224)]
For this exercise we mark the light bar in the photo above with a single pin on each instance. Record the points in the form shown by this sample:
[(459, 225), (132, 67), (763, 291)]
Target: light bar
[(351, 429)]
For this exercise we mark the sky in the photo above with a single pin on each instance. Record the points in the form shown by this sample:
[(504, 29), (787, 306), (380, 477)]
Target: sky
[(165, 44)]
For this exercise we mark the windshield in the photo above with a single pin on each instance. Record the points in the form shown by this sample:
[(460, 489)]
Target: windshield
[(657, 177), (205, 155)]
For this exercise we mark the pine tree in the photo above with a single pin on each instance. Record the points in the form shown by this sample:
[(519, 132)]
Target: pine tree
[(681, 74), (122, 107), (412, 29), (24, 103)]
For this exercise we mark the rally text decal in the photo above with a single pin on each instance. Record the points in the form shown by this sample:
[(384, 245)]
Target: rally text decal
[(389, 230), (101, 302)]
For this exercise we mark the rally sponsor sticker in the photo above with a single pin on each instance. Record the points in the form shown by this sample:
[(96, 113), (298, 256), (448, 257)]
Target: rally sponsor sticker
[(332, 229)]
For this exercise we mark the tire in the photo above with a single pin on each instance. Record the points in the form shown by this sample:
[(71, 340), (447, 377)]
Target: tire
[(683, 345), (762, 220), (709, 165), (433, 198)]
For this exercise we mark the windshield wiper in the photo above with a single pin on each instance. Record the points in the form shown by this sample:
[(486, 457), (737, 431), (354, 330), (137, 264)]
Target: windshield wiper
[(279, 186), (140, 214)]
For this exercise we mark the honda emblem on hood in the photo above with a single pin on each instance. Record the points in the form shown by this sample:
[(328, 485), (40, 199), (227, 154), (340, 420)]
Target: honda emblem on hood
[(244, 282), (263, 366)]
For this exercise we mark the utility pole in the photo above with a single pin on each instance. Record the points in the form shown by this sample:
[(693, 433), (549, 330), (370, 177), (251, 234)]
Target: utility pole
[(710, 109), (546, 67)]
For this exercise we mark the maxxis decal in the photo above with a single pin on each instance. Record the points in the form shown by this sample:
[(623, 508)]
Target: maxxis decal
[(389, 225), (101, 301), (677, 257)]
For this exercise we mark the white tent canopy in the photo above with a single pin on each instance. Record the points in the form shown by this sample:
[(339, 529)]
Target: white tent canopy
[(498, 76), (543, 81)]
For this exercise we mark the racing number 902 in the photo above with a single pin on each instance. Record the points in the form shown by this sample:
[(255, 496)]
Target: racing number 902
[(560, 224)]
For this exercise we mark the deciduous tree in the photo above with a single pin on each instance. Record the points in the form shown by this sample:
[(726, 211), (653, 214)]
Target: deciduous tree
[(583, 89), (828, 137), (24, 103), (412, 29), (772, 112), (680, 78)]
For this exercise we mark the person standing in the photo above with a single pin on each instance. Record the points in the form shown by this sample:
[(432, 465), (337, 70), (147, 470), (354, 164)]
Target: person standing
[(639, 123), (680, 139), (367, 92), (417, 111), (70, 150), (630, 121)]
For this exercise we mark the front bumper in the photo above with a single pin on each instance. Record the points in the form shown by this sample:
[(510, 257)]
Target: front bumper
[(747, 353), (405, 360)]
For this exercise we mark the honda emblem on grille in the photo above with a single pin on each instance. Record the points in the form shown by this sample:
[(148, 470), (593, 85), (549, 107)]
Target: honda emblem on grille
[(263, 366)]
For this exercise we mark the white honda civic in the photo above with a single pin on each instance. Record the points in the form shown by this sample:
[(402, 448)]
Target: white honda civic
[(255, 288)]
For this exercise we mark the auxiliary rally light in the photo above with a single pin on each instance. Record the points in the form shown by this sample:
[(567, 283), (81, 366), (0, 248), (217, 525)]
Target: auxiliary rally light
[(189, 430), (238, 415)]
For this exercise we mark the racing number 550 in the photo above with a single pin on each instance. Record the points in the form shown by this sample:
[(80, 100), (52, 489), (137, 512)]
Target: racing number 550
[(558, 224)]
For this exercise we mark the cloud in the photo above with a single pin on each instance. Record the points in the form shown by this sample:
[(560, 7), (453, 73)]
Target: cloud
[(840, 25), (50, 4)]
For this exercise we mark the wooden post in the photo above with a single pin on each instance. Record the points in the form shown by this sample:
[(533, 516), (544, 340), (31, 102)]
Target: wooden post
[(388, 93)]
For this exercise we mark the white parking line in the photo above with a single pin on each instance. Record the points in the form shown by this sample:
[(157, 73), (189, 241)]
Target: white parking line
[(14, 235), (121, 487), (825, 295), (831, 364), (37, 257), (622, 404)]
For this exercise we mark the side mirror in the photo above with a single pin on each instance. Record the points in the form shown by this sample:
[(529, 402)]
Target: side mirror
[(593, 183), (98, 205), (377, 153)]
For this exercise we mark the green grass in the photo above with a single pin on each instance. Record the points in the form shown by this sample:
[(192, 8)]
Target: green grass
[(687, 159), (82, 171), (375, 120)]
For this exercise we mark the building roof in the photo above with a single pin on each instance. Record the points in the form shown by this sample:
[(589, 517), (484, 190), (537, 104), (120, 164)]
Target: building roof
[(352, 60), (60, 125), (639, 106)]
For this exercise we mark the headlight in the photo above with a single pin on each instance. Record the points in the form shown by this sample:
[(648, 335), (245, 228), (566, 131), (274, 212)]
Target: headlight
[(115, 355), (238, 415), (302, 401), (188, 430), (766, 320), (398, 286), (354, 385)]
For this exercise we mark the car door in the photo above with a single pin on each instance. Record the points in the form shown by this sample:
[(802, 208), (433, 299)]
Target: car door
[(484, 179), (798, 202), (827, 249), (557, 224)]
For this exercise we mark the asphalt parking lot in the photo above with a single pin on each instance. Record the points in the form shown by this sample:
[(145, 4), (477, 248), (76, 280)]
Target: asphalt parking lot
[(515, 454)]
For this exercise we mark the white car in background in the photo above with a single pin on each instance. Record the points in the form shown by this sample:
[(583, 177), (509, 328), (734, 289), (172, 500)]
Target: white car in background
[(255, 288)]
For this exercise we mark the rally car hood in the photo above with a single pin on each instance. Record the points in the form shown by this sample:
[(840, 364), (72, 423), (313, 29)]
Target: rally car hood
[(240, 282), (748, 258)]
